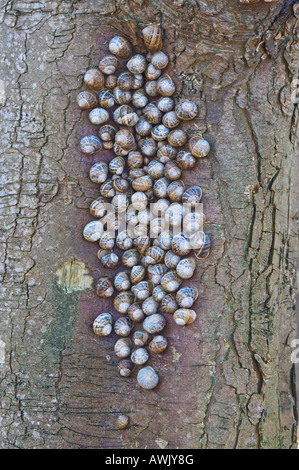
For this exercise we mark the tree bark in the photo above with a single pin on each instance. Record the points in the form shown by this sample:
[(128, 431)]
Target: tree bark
[(227, 381)]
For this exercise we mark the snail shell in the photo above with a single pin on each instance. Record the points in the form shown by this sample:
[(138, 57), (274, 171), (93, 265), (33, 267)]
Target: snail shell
[(155, 273), (104, 287), (175, 191), (120, 47), (186, 267), (142, 183), (142, 290), (108, 259), (143, 127), (186, 110), (150, 306), (121, 185), (123, 326), (192, 195), (151, 88), (134, 160), (159, 133), (122, 281), (148, 147), (160, 187), (166, 153), (102, 325), (174, 214), (184, 316), (147, 378), (90, 144), (159, 60), (186, 296), (125, 138), (154, 254), (154, 323), (139, 200), (125, 81), (130, 257), (135, 313), (111, 81), (152, 114), (87, 100), (107, 189), (185, 160), (139, 99), (93, 231), (107, 132), (159, 293), (160, 207), (137, 274), (98, 116), (177, 137), (94, 79), (199, 147), (124, 240), (111, 221), (139, 356), (120, 202), (121, 97), (165, 240), (98, 207), (204, 251), (106, 99), (157, 226), (122, 347), (172, 171), (109, 64), (122, 422), (165, 104), (158, 344), (169, 304), (125, 367), (152, 73), (142, 244), (108, 145), (152, 36), (137, 64), (138, 81), (122, 301), (141, 338), (193, 222), (170, 282), (170, 120), (181, 244), (117, 165), (98, 172), (155, 169), (172, 259), (107, 241), (165, 85)]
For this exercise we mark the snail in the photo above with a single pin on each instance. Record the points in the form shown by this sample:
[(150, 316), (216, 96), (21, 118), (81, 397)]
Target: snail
[(184, 316), (137, 274), (107, 258), (130, 258), (169, 304), (139, 100), (122, 422), (135, 313), (165, 85), (142, 290), (175, 191), (204, 251), (98, 207), (165, 240), (111, 81), (104, 287), (93, 231), (152, 36), (151, 88), (124, 138), (147, 378), (122, 347), (107, 189), (181, 244), (124, 240), (155, 273), (192, 195), (138, 81), (158, 344), (150, 306), (193, 222), (159, 60), (139, 200), (155, 169), (186, 110), (177, 138), (125, 367), (160, 187), (159, 132), (87, 100), (98, 116), (185, 160), (154, 323), (170, 120), (121, 97), (98, 172), (152, 73), (186, 267), (117, 165), (109, 64), (102, 325), (148, 147), (170, 281), (90, 144), (122, 281), (120, 47), (152, 114), (107, 241), (94, 79), (143, 127), (123, 326), (159, 293), (172, 171), (141, 338), (172, 259), (142, 244), (174, 214), (154, 254), (166, 152), (134, 160), (137, 64), (186, 296), (143, 183), (125, 81), (106, 99), (122, 301), (107, 132), (121, 185), (139, 356), (165, 104), (199, 147)]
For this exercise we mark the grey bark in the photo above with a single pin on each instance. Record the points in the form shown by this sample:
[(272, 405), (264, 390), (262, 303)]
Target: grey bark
[(227, 381)]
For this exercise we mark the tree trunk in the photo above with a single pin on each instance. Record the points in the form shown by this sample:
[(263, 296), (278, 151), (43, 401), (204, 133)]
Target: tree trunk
[(227, 381)]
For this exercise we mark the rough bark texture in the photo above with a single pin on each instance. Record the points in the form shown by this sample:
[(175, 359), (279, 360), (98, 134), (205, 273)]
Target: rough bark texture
[(227, 380)]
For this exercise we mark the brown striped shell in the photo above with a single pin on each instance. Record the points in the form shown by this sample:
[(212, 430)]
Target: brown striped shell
[(122, 347), (154, 323), (158, 344), (122, 281), (123, 326), (140, 356), (104, 287), (102, 325), (177, 138), (147, 378), (169, 304), (170, 282), (135, 312), (87, 100), (109, 64), (122, 301), (120, 47), (199, 147), (186, 110), (90, 144), (94, 79), (141, 338), (125, 367), (184, 316), (186, 296), (152, 36), (165, 85)]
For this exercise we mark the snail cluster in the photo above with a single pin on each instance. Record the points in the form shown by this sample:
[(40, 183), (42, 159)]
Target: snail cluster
[(150, 154)]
